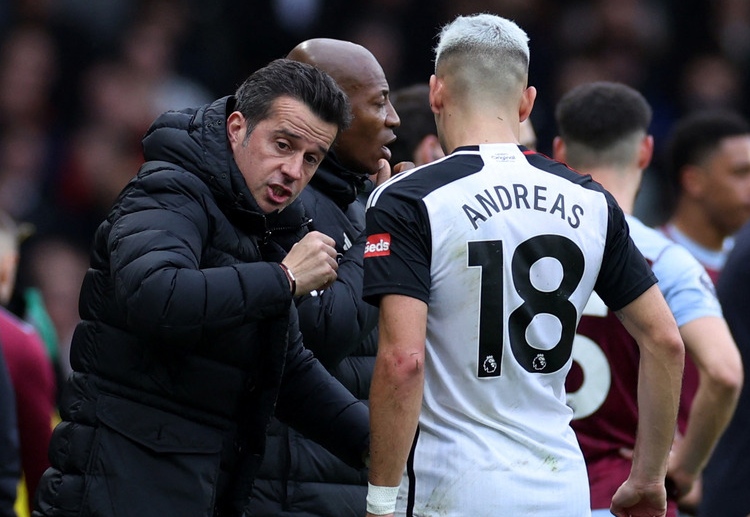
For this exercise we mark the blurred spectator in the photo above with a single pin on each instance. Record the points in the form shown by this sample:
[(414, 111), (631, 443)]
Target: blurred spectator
[(710, 81), (31, 373), (150, 49), (56, 266), (100, 22), (732, 26), (29, 137), (28, 69), (101, 160), (22, 153), (416, 137), (629, 39)]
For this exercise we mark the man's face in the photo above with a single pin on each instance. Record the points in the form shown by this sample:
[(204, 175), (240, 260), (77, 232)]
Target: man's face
[(361, 146), (726, 193), (280, 155)]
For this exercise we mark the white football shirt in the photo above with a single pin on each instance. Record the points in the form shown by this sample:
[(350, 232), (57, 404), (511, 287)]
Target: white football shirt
[(505, 246)]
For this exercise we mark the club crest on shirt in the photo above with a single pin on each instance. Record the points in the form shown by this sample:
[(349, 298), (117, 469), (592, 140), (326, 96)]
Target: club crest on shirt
[(378, 245)]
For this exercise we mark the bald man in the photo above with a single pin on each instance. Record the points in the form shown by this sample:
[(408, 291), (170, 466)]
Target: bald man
[(297, 476)]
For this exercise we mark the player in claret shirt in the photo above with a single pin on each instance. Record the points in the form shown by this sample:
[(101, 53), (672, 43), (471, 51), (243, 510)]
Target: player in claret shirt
[(604, 132)]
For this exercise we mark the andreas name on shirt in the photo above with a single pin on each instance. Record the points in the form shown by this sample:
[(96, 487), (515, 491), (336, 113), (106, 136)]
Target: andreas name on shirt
[(491, 202)]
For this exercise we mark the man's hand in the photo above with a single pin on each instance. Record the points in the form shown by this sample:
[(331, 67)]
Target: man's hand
[(385, 172), (639, 501), (313, 262), (679, 480)]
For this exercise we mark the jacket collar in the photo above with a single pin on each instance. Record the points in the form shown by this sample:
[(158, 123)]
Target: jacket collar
[(337, 182)]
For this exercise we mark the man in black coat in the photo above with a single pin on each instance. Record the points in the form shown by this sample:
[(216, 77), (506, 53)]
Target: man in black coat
[(189, 340), (298, 477)]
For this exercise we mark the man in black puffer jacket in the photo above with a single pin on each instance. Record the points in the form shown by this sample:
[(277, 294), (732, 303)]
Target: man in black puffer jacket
[(298, 477), (189, 340)]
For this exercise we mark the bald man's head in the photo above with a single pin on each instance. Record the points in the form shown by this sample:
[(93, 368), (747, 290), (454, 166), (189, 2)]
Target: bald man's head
[(342, 60), (362, 79)]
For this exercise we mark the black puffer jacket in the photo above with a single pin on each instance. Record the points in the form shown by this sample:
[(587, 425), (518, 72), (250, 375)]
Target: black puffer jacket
[(298, 477), (188, 342)]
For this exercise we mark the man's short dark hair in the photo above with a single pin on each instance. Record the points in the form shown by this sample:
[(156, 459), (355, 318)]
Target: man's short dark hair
[(412, 104), (307, 84), (601, 113), (697, 135)]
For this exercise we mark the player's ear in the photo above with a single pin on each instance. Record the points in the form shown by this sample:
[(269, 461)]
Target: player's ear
[(436, 93), (693, 180), (428, 150), (527, 103), (559, 152), (645, 151)]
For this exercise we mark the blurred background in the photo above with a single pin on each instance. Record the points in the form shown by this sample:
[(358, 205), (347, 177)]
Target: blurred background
[(81, 80)]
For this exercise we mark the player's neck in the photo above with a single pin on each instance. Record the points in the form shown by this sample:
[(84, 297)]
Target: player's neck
[(622, 184), (477, 131), (693, 224)]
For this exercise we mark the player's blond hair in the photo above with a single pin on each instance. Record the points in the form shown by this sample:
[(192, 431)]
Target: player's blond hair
[(484, 54)]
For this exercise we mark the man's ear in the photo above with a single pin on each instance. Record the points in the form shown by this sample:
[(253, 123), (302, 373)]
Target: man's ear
[(236, 128), (693, 180), (527, 103), (559, 152), (428, 150), (436, 93), (645, 151)]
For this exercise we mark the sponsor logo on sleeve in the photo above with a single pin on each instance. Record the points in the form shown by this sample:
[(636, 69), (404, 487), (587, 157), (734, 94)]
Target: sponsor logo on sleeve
[(378, 245)]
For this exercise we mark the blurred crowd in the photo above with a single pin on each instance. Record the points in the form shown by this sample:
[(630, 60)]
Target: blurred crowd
[(81, 81)]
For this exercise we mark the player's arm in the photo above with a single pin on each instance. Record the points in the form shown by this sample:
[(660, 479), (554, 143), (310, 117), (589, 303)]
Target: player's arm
[(709, 344), (395, 394), (650, 322)]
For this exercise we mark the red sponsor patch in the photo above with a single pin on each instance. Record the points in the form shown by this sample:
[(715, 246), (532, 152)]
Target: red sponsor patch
[(378, 245)]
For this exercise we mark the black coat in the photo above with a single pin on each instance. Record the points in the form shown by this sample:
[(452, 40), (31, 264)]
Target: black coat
[(188, 342), (298, 477)]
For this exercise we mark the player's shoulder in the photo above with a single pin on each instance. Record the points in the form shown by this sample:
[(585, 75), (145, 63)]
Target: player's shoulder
[(420, 181), (562, 170), (646, 237), (657, 247)]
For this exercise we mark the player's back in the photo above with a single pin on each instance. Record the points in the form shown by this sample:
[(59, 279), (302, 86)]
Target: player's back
[(516, 245)]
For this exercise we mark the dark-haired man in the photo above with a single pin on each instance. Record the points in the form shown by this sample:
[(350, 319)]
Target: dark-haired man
[(189, 339), (709, 168), (604, 132)]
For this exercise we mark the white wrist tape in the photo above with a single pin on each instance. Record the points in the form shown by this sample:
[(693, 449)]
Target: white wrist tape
[(381, 500)]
